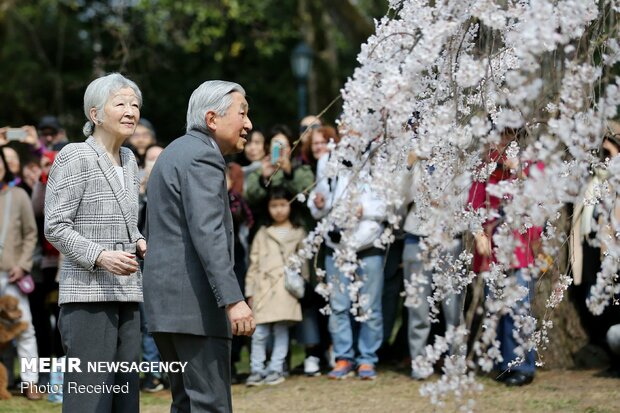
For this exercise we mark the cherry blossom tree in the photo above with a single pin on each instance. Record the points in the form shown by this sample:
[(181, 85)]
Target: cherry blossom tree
[(442, 79)]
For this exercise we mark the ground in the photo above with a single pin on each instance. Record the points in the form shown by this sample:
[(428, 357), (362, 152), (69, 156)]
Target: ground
[(552, 391)]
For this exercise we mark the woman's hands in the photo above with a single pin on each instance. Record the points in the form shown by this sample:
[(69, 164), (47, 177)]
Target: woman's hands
[(267, 169), (32, 137), (121, 262), (483, 244), (283, 163), (118, 262)]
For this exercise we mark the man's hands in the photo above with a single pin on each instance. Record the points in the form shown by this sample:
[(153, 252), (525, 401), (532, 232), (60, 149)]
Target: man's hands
[(141, 248), (241, 319), (118, 262)]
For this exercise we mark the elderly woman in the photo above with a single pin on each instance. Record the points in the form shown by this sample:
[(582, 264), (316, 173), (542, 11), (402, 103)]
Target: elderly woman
[(91, 210), (18, 238)]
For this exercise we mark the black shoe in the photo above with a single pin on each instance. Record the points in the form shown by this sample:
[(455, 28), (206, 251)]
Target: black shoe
[(152, 384), (518, 378)]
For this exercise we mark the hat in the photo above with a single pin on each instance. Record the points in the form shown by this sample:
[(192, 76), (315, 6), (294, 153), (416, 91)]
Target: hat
[(49, 122)]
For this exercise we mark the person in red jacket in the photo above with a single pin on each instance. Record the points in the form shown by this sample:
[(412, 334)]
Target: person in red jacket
[(524, 254)]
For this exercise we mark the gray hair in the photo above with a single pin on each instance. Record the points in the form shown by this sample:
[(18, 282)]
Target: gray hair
[(211, 95), (98, 92)]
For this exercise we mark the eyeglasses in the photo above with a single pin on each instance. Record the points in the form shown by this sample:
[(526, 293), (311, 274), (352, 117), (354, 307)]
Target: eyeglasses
[(304, 128)]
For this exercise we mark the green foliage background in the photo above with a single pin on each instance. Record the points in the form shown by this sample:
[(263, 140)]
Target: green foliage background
[(51, 49)]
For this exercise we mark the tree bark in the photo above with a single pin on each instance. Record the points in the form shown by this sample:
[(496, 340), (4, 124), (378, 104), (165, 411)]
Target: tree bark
[(349, 20), (570, 345), (318, 17), (567, 337)]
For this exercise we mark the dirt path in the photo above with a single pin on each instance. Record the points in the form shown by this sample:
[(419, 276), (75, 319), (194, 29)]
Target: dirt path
[(552, 391)]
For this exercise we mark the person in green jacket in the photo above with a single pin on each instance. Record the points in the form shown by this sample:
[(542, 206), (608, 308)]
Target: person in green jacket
[(278, 169)]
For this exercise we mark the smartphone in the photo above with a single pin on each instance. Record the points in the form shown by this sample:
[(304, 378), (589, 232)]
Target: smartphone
[(15, 134), (275, 153)]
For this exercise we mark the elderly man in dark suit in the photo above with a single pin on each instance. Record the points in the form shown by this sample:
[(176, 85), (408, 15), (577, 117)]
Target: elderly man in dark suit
[(192, 298)]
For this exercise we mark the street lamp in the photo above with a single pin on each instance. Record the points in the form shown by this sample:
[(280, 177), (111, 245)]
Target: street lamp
[(301, 62)]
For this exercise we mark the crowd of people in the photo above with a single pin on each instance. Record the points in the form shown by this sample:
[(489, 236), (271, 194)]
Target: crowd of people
[(269, 224)]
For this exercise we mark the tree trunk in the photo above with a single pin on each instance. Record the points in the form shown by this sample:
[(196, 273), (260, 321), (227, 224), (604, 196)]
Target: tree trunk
[(567, 338), (569, 344), (319, 19), (352, 23)]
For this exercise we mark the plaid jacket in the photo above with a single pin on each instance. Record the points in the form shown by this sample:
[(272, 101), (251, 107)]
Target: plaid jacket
[(88, 211)]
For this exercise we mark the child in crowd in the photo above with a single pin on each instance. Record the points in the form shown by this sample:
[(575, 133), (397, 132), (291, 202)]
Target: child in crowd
[(273, 306)]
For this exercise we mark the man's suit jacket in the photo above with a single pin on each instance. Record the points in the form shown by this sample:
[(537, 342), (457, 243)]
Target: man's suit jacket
[(188, 270), (88, 211)]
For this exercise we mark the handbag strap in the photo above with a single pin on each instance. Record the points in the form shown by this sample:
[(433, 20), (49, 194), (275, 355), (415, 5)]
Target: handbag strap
[(5, 219), (284, 258)]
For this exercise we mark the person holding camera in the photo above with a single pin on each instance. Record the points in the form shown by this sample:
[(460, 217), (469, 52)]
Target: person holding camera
[(26, 134), (278, 169), (22, 150)]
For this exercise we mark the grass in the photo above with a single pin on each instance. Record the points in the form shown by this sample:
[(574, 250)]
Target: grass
[(566, 391)]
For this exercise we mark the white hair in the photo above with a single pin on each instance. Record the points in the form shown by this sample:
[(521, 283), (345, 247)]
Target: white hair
[(211, 95), (98, 92)]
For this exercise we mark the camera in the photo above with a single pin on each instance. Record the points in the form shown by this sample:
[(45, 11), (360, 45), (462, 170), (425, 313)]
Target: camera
[(15, 134), (276, 152)]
